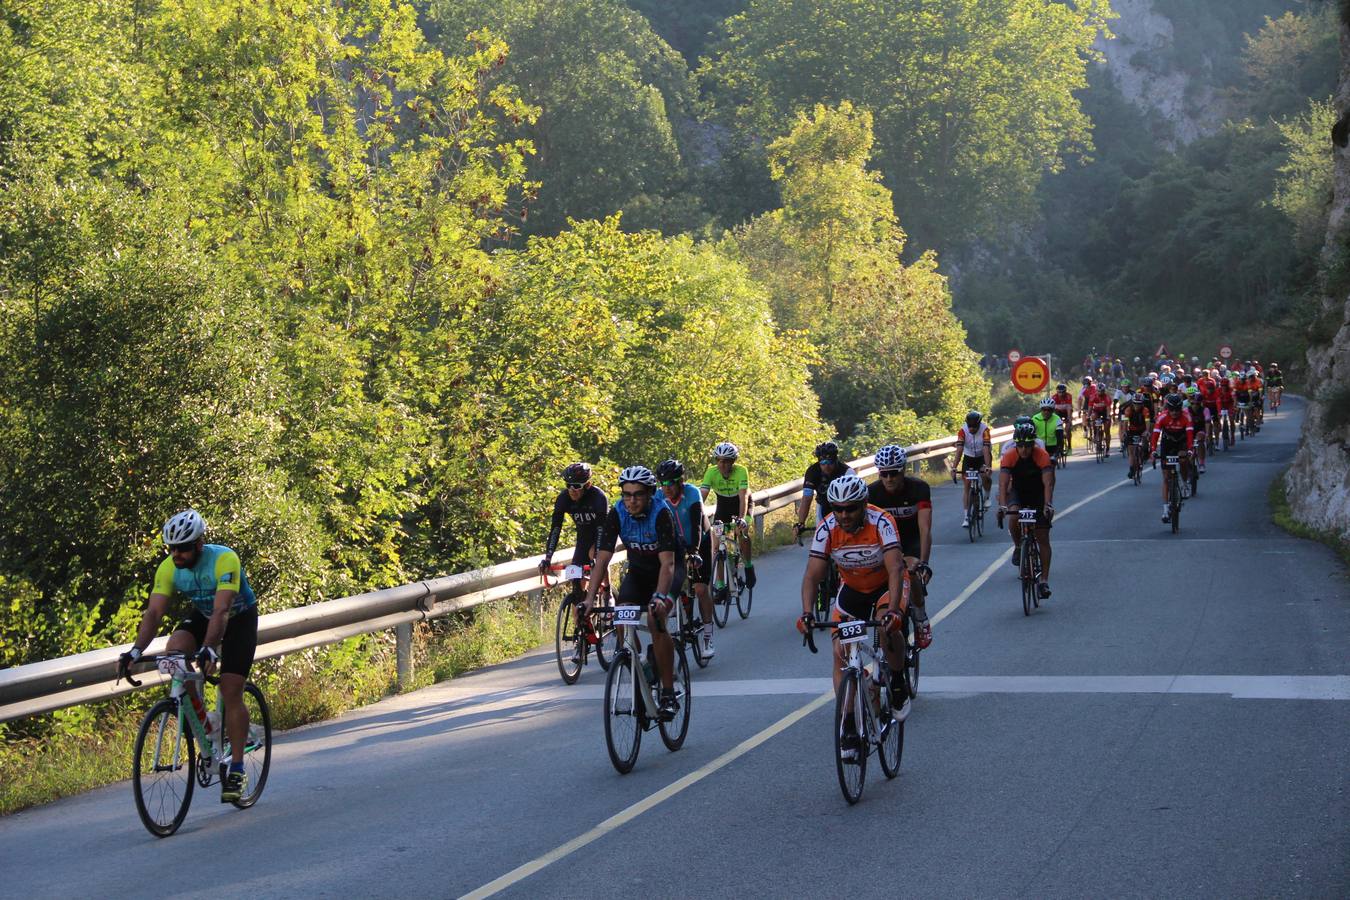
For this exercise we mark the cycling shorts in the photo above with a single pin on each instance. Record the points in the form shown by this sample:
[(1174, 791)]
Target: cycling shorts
[(971, 462), (239, 644), (861, 604), (700, 575), (1014, 503), (639, 583), (728, 509)]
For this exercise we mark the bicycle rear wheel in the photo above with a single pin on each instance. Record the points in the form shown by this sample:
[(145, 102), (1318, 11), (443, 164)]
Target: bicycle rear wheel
[(853, 771), (1028, 581), (163, 774), (567, 639), (674, 731), (258, 747), (623, 735)]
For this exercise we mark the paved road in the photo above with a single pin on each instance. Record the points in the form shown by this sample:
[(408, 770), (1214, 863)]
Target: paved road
[(1173, 722)]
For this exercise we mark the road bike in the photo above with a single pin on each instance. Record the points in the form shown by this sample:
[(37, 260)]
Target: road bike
[(1135, 443), (864, 698), (1028, 558), (1099, 436), (1225, 429), (1244, 421), (728, 575), (1171, 467), (688, 631), (631, 704), (826, 590), (975, 511), (573, 644), (179, 746)]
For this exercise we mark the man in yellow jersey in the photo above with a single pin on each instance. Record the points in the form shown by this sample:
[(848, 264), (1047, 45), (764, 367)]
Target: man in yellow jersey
[(730, 482), (224, 615)]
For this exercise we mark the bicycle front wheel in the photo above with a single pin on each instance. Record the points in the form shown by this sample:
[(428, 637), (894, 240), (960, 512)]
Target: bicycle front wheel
[(567, 642), (164, 763), (850, 756), (674, 731), (623, 736), (745, 598), (891, 742), (1028, 581), (721, 595), (258, 746)]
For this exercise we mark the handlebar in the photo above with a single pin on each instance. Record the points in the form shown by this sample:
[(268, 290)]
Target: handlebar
[(152, 658), (809, 641)]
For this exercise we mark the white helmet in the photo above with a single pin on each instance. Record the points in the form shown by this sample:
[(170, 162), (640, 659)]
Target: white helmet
[(1047, 403), (891, 456), (846, 489), (183, 528), (637, 475), (726, 450)]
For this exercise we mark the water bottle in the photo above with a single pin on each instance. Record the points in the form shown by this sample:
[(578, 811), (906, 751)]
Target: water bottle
[(648, 666), (212, 723)]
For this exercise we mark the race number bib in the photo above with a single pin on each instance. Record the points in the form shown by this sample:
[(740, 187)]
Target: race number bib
[(851, 632), (1026, 515), (972, 475), (573, 573), (627, 615)]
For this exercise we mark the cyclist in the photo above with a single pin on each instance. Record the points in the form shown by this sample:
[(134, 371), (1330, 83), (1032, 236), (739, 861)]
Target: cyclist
[(1049, 428), (1173, 429), (224, 615), (1026, 480), (1275, 381), (1085, 397), (644, 521), (1196, 408), (586, 504), (909, 500), (695, 539), (1258, 389), (1227, 403), (1242, 389), (1135, 417), (1064, 409), (1100, 412), (730, 481), (863, 542), (816, 483), (975, 444), (1208, 385)]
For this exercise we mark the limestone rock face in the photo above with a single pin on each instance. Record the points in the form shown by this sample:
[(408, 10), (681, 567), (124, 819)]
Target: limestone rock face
[(1318, 483)]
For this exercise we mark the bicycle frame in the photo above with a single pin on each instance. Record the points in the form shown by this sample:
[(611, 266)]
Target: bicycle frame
[(176, 666), (628, 620)]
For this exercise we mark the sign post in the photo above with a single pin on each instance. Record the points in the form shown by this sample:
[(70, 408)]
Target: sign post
[(1030, 375)]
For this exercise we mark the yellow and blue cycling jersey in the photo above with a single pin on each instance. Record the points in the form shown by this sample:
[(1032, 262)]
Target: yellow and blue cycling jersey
[(218, 569)]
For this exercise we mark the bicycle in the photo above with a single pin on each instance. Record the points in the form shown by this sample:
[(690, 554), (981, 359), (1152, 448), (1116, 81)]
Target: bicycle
[(689, 629), (728, 576), (1135, 443), (826, 592), (572, 644), (872, 710), (166, 749), (1029, 558), (631, 705), (975, 512), (1244, 421), (1225, 429), (1171, 465), (1099, 439)]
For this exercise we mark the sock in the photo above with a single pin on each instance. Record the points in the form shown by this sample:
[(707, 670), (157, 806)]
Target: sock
[(236, 767), (707, 630), (749, 564)]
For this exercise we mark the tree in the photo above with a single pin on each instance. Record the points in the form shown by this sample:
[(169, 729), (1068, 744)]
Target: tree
[(973, 99), (1304, 191)]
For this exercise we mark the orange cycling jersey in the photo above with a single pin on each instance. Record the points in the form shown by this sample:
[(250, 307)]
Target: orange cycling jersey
[(858, 554)]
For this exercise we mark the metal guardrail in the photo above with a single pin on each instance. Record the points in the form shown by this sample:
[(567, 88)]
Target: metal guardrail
[(85, 677)]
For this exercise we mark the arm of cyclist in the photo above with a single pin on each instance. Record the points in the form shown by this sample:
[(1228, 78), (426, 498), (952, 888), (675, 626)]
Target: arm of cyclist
[(215, 629), (554, 534), (815, 574), (145, 633), (605, 542)]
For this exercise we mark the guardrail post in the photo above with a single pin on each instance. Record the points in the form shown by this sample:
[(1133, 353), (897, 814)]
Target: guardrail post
[(403, 650), (759, 529)]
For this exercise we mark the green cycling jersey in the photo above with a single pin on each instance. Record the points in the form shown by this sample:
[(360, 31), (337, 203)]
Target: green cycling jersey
[(218, 569)]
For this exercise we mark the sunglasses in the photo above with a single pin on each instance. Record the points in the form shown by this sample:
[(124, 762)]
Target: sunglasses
[(849, 508), (669, 483), (575, 487), (889, 473), (632, 495), (182, 548)]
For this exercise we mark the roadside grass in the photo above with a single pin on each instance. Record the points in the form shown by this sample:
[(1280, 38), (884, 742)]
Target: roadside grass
[(1284, 517), (74, 750)]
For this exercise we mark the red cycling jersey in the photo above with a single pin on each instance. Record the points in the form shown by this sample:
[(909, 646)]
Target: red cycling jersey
[(1063, 404), (1175, 424), (1209, 391)]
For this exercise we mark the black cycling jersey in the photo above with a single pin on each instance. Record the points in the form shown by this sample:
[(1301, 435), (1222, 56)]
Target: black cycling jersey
[(587, 513), (666, 539), (816, 480), (904, 506)]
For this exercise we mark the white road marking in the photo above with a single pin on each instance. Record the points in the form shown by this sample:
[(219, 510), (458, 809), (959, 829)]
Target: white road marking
[(522, 872)]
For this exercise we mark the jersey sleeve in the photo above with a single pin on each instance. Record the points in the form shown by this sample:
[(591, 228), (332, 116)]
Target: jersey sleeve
[(741, 476), (1041, 458), (709, 477), (609, 533), (1009, 457), (811, 480), (164, 578), (666, 537), (229, 573), (887, 532), (555, 526), (923, 494), (820, 541)]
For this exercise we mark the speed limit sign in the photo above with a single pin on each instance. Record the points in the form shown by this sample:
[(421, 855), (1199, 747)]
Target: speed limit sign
[(1014, 355), (1226, 352)]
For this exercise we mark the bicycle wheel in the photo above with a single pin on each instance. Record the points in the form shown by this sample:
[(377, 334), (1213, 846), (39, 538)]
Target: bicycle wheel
[(852, 772), (567, 640), (1195, 479), (258, 748), (745, 597), (1035, 550), (623, 736), (164, 763), (1028, 582), (979, 519), (721, 595), (891, 739), (674, 731)]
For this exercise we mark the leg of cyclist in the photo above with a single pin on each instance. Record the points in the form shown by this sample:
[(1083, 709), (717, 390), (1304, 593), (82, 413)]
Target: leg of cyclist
[(1043, 543), (699, 577)]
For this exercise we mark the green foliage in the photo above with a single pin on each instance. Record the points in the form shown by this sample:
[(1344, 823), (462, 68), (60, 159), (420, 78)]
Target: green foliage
[(1289, 60), (884, 332), (690, 25), (611, 94), (973, 99), (1304, 192)]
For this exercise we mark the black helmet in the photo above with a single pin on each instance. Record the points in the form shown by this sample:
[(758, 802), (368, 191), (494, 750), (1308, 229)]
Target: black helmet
[(828, 450), (1024, 432), (1175, 402), (670, 470), (973, 418), (577, 473), (1023, 420), (1061, 387)]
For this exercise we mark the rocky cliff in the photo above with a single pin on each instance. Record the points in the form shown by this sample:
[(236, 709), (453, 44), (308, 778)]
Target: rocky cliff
[(1318, 483)]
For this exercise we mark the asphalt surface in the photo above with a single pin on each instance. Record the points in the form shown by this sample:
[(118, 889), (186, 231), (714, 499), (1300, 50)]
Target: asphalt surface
[(1172, 722)]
